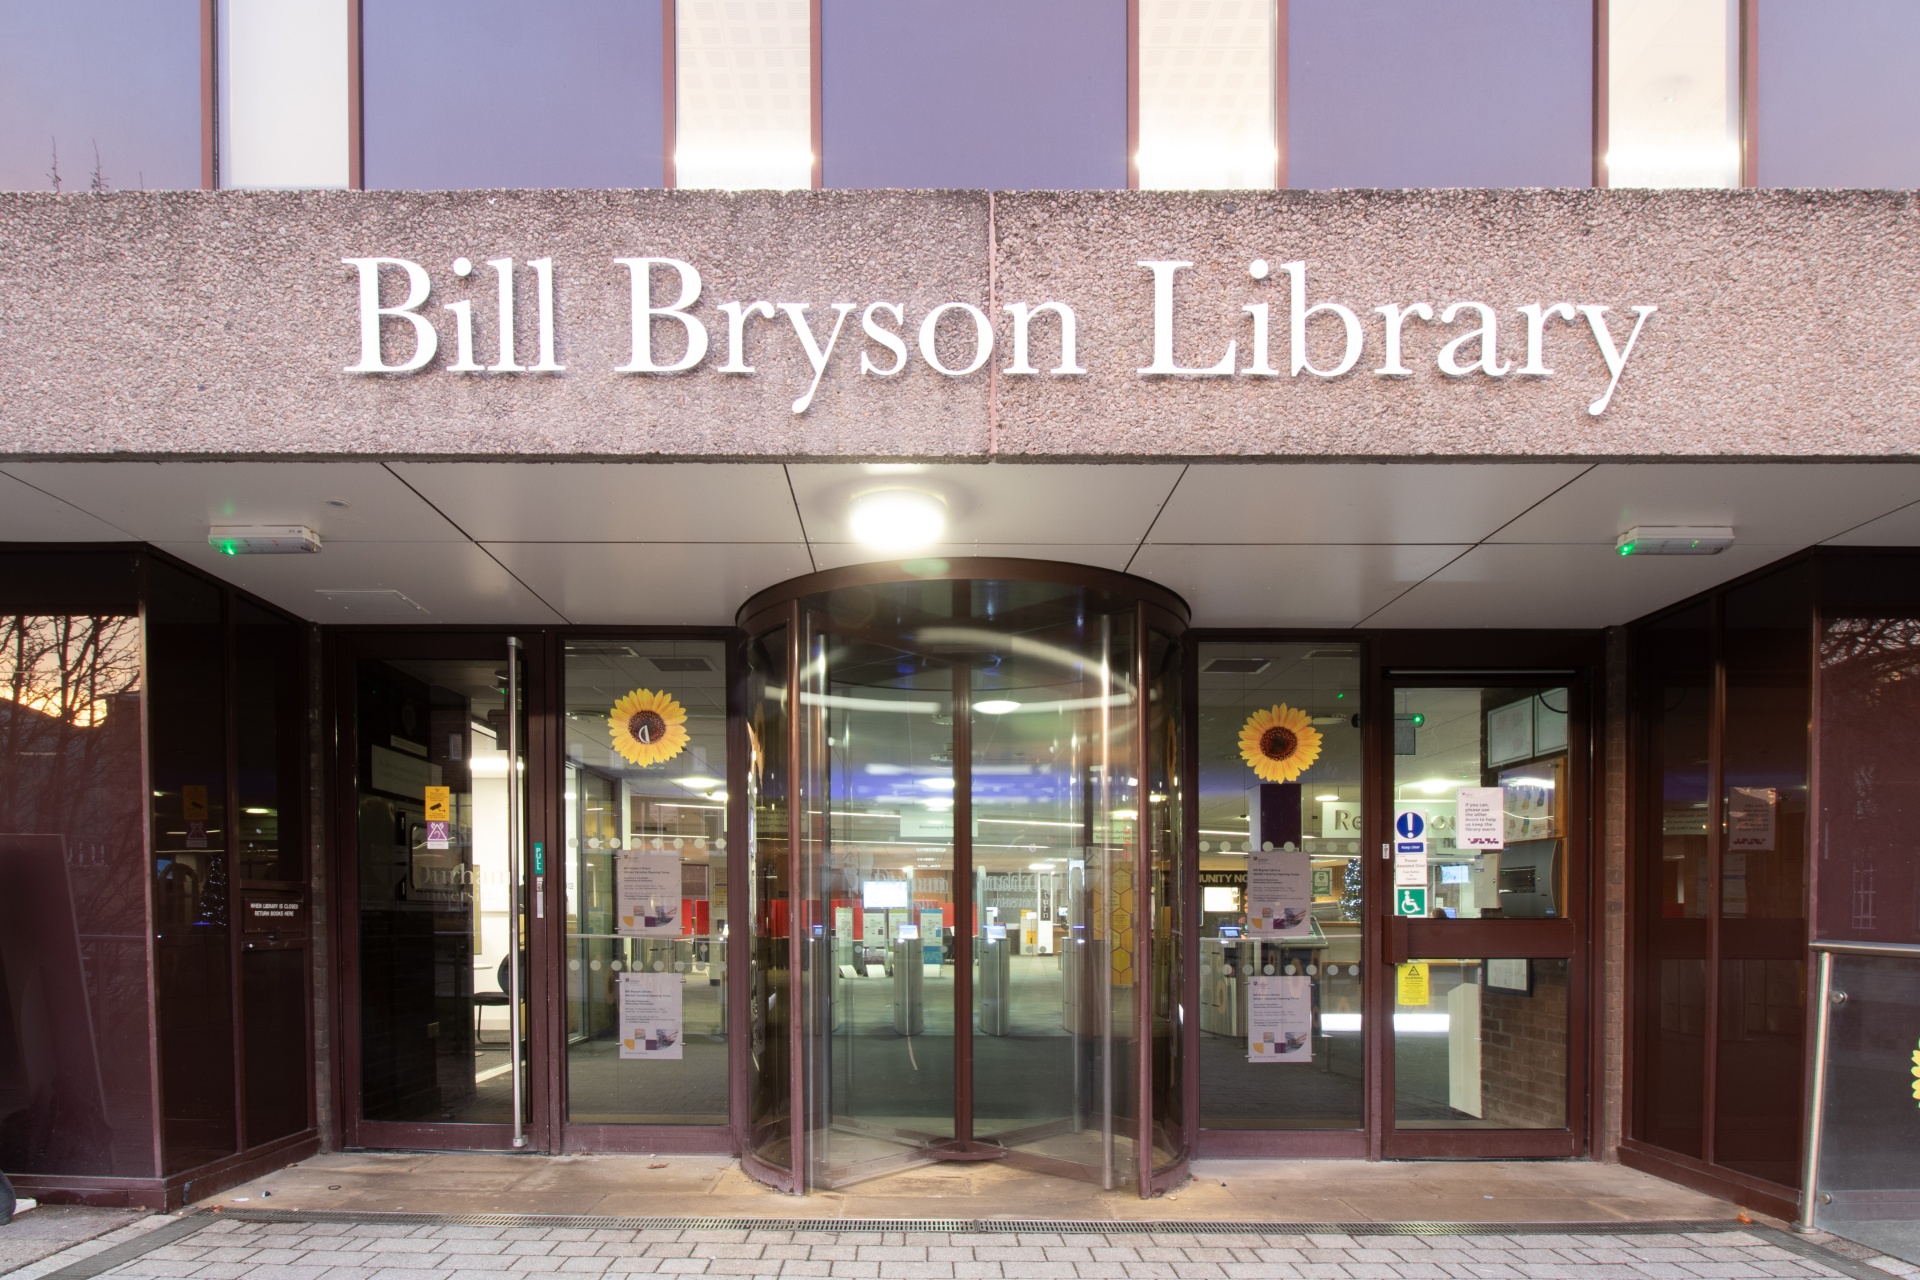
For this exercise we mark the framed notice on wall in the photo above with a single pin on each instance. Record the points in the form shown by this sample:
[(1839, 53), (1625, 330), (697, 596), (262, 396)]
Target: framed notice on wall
[(1510, 977), (1510, 733)]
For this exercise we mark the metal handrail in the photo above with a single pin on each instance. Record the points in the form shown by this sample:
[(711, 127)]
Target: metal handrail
[(1824, 953), (1867, 948)]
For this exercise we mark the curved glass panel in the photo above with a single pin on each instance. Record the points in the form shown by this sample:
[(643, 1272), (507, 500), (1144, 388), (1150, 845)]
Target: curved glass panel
[(986, 897)]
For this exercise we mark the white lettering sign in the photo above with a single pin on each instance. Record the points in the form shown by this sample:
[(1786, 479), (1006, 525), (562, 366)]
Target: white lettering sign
[(1461, 338)]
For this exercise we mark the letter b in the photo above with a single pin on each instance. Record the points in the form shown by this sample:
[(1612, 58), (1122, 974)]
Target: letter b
[(644, 312), (425, 339)]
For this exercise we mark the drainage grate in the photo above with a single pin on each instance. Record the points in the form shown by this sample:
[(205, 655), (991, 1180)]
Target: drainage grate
[(127, 1250), (998, 1226)]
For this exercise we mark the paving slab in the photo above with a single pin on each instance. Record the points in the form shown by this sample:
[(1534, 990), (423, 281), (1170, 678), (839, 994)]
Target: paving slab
[(1221, 1190)]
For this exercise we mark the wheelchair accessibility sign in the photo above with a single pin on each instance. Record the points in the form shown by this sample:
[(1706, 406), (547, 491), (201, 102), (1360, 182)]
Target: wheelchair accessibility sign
[(1410, 902)]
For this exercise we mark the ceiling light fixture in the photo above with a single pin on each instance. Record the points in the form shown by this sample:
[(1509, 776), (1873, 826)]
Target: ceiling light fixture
[(1662, 540), (996, 706), (897, 519)]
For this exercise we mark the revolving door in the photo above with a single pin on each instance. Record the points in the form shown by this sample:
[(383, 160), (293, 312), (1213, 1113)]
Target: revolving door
[(965, 789)]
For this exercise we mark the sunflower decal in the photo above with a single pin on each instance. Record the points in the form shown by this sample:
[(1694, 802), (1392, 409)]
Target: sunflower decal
[(1279, 743), (648, 727)]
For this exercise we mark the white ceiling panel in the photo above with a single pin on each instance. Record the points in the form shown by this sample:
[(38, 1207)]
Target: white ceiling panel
[(1333, 586), (1000, 502), (28, 515), (610, 501), (1782, 504), (1896, 529), (1361, 502), (660, 583), (1556, 585), (836, 555), (167, 502), (450, 581)]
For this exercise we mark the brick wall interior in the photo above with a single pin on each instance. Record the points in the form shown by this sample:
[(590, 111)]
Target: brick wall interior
[(1523, 1052)]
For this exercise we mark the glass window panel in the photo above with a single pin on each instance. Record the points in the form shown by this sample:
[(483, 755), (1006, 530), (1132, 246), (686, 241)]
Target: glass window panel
[(504, 93), (1480, 1044), (270, 746), (770, 1003), (434, 908), (1408, 93), (880, 846), (1044, 88), (1206, 94), (76, 1078), (1512, 739), (1318, 810), (1674, 661), (1056, 849), (283, 93), (1869, 874), (1868, 1177), (743, 115), (193, 885), (1836, 95), (1767, 641), (1165, 839), (106, 92), (1673, 93), (632, 794)]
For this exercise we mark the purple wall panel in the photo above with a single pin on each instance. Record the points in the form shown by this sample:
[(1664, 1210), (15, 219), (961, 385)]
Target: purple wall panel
[(463, 94), (122, 76), (1006, 94), (1411, 93), (1837, 101)]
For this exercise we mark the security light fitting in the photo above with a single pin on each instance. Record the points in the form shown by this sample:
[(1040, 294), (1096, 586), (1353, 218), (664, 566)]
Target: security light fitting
[(1677, 540), (262, 539)]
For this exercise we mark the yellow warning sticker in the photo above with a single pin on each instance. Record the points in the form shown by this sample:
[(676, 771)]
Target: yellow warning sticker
[(1412, 988)]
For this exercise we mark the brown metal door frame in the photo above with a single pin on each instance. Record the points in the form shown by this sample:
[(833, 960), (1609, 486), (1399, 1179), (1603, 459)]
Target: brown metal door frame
[(546, 815), (346, 649), (1398, 940)]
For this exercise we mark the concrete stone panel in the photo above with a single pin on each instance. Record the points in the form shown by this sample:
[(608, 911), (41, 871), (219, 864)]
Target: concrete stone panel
[(142, 324)]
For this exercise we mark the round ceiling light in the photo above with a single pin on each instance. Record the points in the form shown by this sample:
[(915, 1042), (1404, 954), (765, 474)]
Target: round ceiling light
[(897, 519), (996, 706)]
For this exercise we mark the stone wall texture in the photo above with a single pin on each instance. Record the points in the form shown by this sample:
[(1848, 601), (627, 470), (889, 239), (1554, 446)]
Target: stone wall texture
[(221, 324)]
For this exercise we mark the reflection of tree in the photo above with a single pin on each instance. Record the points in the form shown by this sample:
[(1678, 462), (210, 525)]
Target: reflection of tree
[(70, 769), (1870, 692), (67, 678), (1875, 652)]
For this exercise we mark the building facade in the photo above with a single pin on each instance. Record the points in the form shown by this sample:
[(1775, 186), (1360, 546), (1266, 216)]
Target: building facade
[(1090, 584)]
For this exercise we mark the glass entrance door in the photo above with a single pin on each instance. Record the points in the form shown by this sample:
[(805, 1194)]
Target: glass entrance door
[(980, 816), (1484, 900), (433, 745), (965, 860)]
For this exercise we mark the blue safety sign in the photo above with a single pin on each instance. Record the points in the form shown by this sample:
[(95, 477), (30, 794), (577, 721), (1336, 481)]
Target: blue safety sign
[(1410, 832)]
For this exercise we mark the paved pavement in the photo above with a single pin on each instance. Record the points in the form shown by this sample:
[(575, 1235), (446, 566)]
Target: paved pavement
[(48, 1229), (708, 1187), (227, 1248)]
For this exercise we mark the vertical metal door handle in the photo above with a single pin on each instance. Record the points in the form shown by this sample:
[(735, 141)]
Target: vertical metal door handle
[(514, 952)]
